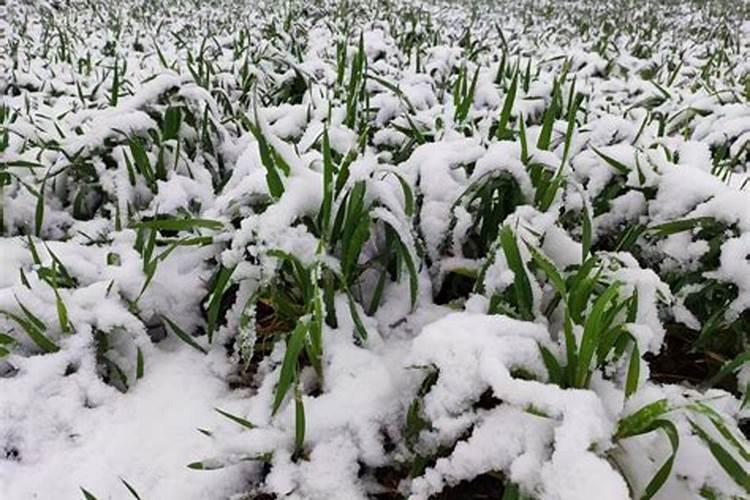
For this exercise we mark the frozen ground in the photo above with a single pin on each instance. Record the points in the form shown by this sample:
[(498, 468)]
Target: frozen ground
[(345, 250)]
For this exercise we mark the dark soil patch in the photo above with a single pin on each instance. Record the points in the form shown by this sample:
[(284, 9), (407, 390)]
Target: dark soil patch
[(483, 487), (680, 363), (677, 362)]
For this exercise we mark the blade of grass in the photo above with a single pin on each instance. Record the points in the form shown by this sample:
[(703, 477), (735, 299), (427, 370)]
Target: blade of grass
[(186, 224), (289, 364), (735, 470), (234, 418), (130, 489), (214, 305), (521, 286), (502, 126), (182, 335), (592, 331), (299, 421), (34, 333), (617, 165), (87, 495)]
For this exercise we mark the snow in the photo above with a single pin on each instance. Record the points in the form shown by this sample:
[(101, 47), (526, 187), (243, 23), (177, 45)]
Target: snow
[(440, 386), (97, 435)]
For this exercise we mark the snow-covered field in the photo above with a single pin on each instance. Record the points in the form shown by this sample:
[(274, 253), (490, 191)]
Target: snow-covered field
[(343, 250)]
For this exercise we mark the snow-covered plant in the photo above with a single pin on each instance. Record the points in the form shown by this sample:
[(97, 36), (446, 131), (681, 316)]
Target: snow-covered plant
[(414, 250)]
